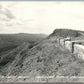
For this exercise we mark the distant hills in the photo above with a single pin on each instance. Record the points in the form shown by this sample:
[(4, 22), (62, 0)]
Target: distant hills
[(10, 41)]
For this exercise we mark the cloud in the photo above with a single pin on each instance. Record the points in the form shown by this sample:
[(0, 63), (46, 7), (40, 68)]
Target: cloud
[(42, 17), (5, 14), (9, 14)]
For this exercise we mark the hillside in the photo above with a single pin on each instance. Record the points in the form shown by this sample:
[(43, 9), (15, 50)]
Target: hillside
[(46, 58), (66, 32), (12, 57)]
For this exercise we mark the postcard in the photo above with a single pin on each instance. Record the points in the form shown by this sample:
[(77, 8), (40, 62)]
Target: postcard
[(41, 41)]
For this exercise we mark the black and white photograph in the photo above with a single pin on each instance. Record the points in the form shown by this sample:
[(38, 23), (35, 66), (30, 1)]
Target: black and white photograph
[(41, 41)]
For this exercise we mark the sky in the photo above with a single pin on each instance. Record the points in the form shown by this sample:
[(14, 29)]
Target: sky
[(40, 16)]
